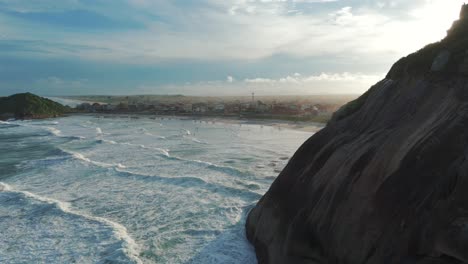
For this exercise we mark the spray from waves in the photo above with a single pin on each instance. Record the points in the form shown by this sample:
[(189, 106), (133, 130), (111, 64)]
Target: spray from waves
[(98, 131), (130, 247)]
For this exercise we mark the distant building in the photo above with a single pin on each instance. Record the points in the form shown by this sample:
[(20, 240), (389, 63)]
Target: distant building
[(187, 107), (262, 107), (199, 108), (219, 107)]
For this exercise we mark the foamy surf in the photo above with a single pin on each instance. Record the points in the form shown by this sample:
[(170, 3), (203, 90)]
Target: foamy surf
[(181, 202), (129, 247), (165, 152), (81, 157), (54, 131), (153, 135)]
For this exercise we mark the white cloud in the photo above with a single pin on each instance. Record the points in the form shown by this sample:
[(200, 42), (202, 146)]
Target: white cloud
[(208, 33), (324, 83), (260, 80), (323, 77), (342, 16), (241, 32)]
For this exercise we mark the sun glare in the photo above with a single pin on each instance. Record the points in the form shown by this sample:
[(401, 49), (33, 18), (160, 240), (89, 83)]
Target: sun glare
[(436, 18)]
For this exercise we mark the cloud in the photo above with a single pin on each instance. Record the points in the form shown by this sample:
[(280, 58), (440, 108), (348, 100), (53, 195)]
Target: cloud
[(342, 16), (324, 83), (260, 80), (323, 77), (255, 29), (258, 41)]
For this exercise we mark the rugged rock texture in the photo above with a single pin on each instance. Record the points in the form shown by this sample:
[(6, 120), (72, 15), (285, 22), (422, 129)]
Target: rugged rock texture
[(387, 180), (29, 106)]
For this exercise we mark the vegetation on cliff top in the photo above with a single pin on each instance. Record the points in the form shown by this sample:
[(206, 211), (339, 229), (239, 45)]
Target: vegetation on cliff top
[(28, 105)]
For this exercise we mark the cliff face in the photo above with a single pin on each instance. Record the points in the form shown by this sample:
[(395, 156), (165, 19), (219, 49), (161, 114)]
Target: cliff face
[(387, 180)]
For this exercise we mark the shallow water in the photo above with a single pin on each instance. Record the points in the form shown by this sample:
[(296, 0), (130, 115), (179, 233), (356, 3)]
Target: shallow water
[(83, 189)]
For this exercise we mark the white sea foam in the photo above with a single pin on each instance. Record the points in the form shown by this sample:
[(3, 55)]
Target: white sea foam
[(54, 131), (153, 135), (197, 140), (179, 206), (107, 141), (98, 131), (165, 152), (130, 248), (81, 157)]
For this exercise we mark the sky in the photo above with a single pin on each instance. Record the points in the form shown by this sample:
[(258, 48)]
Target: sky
[(210, 47)]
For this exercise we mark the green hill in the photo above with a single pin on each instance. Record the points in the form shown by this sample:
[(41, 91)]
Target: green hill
[(29, 106)]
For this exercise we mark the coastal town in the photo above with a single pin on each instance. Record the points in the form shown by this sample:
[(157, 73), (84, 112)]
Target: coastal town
[(300, 109)]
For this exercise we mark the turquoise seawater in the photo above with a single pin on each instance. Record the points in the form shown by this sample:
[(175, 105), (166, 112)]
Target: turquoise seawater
[(84, 189)]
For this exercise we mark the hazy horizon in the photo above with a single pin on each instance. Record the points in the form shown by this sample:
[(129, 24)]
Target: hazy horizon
[(228, 48)]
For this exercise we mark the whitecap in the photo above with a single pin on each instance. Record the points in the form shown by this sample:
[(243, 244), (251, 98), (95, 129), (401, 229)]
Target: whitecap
[(165, 152), (130, 247), (107, 141), (153, 135), (81, 157), (54, 131)]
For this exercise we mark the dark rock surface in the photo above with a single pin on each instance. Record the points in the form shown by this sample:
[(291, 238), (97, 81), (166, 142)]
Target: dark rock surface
[(387, 180)]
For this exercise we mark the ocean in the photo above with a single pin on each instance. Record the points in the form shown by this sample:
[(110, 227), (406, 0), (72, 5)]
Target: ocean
[(89, 189)]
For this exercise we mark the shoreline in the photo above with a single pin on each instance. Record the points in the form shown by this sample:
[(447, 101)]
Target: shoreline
[(302, 126)]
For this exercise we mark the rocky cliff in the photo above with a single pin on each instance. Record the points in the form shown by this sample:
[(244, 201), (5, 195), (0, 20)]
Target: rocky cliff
[(387, 180)]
